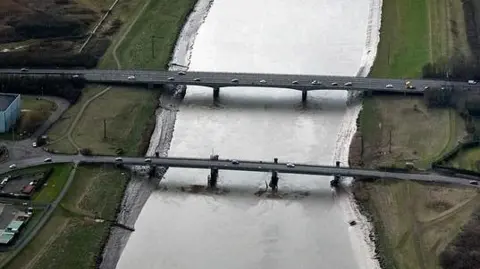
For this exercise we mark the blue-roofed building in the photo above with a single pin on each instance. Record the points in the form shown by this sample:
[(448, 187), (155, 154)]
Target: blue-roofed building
[(9, 111)]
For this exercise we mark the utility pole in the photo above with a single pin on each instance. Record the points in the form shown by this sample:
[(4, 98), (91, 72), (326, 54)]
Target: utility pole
[(153, 46), (390, 140), (104, 129)]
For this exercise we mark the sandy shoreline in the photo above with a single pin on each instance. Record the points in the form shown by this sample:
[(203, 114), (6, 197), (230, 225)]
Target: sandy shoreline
[(360, 235), (140, 189)]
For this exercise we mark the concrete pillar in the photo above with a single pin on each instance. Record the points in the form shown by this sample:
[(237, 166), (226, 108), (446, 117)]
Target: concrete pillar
[(337, 164), (335, 182), (157, 154), (274, 181), (216, 93), (304, 96), (212, 178), (275, 160)]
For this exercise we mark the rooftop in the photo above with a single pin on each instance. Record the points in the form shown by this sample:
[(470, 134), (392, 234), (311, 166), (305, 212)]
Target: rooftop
[(6, 100), (6, 237)]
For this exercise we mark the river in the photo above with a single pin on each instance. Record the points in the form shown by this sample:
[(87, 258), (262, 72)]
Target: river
[(305, 225)]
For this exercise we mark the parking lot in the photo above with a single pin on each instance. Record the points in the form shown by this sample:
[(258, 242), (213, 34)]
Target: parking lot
[(16, 184)]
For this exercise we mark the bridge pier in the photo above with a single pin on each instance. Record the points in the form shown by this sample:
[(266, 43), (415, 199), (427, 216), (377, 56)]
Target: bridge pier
[(150, 85), (216, 93), (335, 182), (274, 179), (304, 96), (213, 177)]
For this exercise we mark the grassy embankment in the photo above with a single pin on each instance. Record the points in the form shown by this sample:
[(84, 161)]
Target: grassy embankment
[(72, 238), (414, 222), (34, 113), (129, 113), (47, 194)]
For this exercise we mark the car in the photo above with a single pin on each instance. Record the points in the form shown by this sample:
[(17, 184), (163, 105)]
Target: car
[(294, 82), (234, 80), (334, 84), (148, 160), (235, 162), (171, 78), (263, 81), (426, 88), (348, 84), (314, 82), (473, 182), (24, 69), (290, 165), (182, 73), (48, 160), (389, 86), (34, 144), (75, 76), (12, 166), (196, 79), (131, 77), (472, 82), (119, 159)]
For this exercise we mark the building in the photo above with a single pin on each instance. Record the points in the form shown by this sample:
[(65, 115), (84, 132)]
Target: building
[(9, 111)]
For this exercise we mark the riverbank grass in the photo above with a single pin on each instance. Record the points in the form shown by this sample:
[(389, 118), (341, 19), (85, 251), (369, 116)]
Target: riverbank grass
[(414, 222), (72, 238)]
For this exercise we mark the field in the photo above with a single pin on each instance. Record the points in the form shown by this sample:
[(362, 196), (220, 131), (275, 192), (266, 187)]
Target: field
[(413, 222), (72, 238), (127, 107)]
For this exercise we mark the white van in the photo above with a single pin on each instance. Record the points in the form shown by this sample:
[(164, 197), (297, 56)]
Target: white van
[(472, 82)]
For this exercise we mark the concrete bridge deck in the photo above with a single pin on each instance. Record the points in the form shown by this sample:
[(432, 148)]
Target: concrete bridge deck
[(218, 80), (245, 165)]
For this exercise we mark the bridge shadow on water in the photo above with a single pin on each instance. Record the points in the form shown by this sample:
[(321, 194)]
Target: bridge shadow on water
[(315, 102), (244, 192)]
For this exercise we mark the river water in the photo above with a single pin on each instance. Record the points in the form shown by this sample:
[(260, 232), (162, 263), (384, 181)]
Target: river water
[(304, 226)]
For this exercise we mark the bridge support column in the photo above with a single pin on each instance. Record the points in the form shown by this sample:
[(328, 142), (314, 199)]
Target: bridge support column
[(213, 177), (150, 85), (274, 181), (216, 93), (152, 171), (304, 96), (335, 182)]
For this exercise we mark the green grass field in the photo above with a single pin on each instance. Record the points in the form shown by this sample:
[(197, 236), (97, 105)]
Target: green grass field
[(55, 184), (72, 238), (412, 229)]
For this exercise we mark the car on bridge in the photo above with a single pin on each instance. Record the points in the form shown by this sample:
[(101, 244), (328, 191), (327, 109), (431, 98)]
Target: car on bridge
[(119, 159), (295, 82), (473, 182), (234, 80), (182, 73), (389, 86), (263, 81), (348, 84), (235, 162), (334, 84), (290, 165), (171, 78), (196, 79), (131, 77), (24, 69), (148, 160)]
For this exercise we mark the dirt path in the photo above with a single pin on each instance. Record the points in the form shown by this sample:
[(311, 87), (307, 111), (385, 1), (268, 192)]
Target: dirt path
[(119, 65), (79, 115), (46, 247)]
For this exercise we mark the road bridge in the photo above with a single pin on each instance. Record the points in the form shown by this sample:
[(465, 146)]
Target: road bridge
[(244, 165), (217, 80)]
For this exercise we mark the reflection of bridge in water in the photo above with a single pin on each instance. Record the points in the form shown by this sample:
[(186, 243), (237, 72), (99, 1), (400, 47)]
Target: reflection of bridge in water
[(215, 165)]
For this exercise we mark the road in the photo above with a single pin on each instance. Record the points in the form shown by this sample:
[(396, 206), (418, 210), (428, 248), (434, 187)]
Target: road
[(222, 79), (243, 165)]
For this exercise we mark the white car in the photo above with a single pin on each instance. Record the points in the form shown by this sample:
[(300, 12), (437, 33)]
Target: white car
[(75, 76), (34, 144), (472, 82), (234, 80), (315, 82), (171, 78), (48, 160), (12, 166), (294, 82), (24, 69), (235, 162), (263, 81), (290, 165), (389, 86), (181, 73), (131, 78), (196, 79), (334, 84), (473, 182), (148, 160), (348, 84), (118, 159), (426, 88)]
